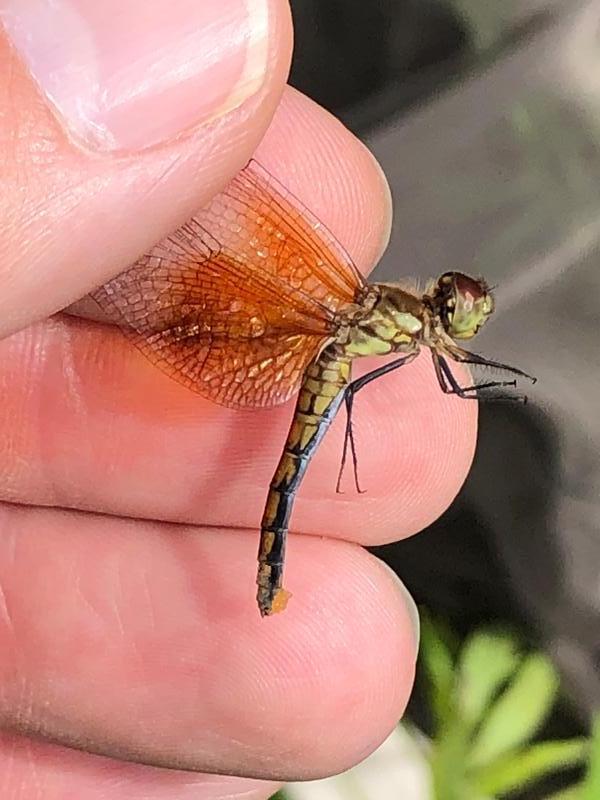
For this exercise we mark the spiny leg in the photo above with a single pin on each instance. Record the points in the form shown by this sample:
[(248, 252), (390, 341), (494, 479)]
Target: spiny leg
[(444, 373), (350, 391), (471, 392), (466, 357)]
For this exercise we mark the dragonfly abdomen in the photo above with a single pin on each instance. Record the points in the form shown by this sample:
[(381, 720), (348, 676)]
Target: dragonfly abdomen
[(320, 396)]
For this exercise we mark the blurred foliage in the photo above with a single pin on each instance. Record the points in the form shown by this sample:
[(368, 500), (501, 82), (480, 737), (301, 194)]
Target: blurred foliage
[(489, 698), (489, 23), (488, 701)]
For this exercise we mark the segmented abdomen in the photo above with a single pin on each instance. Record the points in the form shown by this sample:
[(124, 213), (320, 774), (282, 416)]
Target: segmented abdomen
[(321, 394)]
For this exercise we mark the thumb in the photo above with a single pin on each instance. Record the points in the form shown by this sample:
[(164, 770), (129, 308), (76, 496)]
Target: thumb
[(119, 119)]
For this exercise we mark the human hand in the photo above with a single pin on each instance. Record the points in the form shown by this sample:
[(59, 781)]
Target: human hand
[(122, 634)]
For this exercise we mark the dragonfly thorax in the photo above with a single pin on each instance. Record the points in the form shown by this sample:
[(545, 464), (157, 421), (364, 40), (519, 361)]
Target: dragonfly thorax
[(390, 320)]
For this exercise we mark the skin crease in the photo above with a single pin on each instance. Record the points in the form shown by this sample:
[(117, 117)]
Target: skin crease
[(121, 632)]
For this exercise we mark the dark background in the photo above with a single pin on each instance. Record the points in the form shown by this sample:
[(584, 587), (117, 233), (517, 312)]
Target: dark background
[(485, 116)]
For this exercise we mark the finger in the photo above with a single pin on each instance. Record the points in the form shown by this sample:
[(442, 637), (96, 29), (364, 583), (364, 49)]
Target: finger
[(87, 423), (333, 174), (109, 141), (330, 171), (141, 641), (34, 769)]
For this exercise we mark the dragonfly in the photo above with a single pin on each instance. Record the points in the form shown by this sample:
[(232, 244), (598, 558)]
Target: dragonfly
[(253, 300)]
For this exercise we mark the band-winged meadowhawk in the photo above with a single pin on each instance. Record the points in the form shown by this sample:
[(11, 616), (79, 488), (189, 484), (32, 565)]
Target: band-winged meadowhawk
[(253, 299)]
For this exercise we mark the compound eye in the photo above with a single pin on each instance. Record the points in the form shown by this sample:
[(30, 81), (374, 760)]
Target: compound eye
[(472, 305), (446, 280)]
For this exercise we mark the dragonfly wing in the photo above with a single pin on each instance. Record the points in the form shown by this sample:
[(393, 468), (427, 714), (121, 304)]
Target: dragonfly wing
[(222, 340), (281, 235), (238, 301)]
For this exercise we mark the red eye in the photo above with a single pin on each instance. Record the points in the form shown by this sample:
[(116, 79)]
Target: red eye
[(466, 286)]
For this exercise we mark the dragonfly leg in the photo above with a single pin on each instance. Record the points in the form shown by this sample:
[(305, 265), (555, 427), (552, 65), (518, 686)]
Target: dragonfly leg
[(349, 438), (350, 391), (449, 384), (466, 357)]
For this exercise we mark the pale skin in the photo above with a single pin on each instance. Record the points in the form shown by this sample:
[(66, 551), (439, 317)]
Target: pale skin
[(121, 633)]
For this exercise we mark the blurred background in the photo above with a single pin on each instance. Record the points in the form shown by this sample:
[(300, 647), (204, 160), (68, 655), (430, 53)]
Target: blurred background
[(485, 115)]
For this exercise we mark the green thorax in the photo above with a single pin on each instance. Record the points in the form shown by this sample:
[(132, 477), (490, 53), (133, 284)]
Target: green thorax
[(389, 319)]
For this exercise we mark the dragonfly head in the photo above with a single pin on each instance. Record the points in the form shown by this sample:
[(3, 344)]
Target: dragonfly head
[(462, 304)]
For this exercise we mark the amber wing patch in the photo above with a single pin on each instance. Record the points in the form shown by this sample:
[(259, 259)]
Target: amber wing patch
[(238, 301)]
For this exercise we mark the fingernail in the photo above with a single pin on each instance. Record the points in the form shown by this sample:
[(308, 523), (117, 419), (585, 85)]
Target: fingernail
[(129, 74), (410, 605)]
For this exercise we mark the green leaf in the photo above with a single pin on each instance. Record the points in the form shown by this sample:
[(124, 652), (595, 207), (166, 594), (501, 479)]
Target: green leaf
[(280, 795), (448, 759), (572, 793), (438, 664), (487, 660), (518, 713), (591, 784), (520, 769)]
